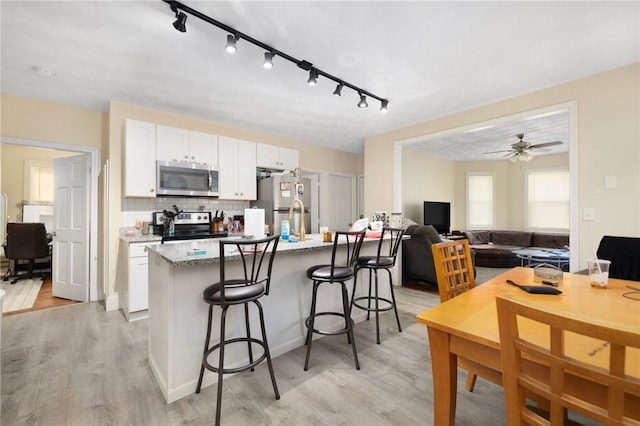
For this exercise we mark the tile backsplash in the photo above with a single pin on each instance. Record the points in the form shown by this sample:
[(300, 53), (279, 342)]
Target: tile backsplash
[(141, 208)]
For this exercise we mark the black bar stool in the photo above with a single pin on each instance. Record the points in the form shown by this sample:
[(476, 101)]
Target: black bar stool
[(257, 260), (335, 273), (385, 259)]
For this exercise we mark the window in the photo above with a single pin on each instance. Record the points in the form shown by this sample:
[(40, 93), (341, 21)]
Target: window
[(547, 195), (480, 200), (38, 181)]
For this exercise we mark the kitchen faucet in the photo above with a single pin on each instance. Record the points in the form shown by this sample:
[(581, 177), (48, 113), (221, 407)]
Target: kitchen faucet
[(302, 234)]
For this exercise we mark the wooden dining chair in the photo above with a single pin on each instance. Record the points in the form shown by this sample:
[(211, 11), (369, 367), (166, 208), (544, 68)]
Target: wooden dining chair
[(606, 395), (454, 271)]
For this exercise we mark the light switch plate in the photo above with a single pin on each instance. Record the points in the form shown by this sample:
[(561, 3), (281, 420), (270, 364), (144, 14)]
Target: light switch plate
[(610, 182)]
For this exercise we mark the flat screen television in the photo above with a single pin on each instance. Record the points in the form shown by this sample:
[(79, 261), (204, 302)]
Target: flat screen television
[(438, 214)]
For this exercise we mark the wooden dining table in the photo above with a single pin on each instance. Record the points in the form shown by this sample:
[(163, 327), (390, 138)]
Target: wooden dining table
[(467, 327)]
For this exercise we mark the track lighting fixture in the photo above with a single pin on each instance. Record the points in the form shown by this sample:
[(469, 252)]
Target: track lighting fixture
[(234, 35), (313, 77), (179, 23), (363, 101), (268, 60), (338, 91), (231, 43)]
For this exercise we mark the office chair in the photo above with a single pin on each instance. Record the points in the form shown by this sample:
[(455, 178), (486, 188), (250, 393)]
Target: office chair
[(26, 241)]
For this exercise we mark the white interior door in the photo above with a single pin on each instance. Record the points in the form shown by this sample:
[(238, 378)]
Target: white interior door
[(71, 228)]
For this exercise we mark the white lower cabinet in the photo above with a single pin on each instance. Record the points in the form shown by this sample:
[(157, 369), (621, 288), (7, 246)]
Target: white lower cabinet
[(137, 299)]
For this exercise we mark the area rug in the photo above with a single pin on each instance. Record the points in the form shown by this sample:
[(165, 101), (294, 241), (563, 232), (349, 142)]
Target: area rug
[(21, 295)]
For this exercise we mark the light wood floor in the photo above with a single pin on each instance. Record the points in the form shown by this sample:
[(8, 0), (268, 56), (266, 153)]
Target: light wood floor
[(45, 300), (80, 365)]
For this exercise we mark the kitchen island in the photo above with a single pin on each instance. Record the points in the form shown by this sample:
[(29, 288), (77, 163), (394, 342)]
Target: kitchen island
[(178, 315)]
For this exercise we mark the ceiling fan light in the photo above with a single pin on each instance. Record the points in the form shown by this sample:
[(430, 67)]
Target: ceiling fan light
[(513, 158)]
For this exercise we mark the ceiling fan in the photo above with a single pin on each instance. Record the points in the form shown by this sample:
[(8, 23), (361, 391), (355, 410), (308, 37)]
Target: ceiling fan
[(520, 150)]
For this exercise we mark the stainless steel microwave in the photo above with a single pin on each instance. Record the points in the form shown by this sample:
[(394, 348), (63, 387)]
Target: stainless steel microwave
[(186, 179)]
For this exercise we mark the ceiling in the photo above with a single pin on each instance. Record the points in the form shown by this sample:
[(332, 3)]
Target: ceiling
[(429, 59)]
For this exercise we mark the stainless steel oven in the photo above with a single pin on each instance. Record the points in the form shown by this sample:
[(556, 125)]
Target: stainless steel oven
[(187, 179)]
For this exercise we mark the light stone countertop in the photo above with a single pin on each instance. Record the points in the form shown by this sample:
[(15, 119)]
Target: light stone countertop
[(132, 235), (181, 254)]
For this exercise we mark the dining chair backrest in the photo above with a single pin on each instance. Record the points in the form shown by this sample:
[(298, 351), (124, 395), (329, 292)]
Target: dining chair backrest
[(603, 394), (454, 268), (256, 256)]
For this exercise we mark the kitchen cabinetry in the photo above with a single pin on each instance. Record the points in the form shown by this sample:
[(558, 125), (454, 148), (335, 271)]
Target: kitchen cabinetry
[(274, 157), (175, 144), (172, 144), (203, 148), (136, 303), (237, 169), (139, 159)]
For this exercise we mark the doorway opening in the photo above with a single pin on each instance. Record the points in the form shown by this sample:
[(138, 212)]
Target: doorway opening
[(12, 154)]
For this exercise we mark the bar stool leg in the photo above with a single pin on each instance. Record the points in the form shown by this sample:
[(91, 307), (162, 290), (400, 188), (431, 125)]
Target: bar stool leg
[(266, 349), (393, 298), (246, 321), (223, 318), (310, 325), (349, 323), (369, 299), (377, 303), (353, 292), (206, 348)]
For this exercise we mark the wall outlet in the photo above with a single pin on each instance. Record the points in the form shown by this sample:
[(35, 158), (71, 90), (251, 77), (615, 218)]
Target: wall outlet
[(588, 213)]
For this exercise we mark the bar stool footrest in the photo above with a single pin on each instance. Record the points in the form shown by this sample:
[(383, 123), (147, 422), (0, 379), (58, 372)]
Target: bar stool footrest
[(326, 332), (372, 299), (236, 369)]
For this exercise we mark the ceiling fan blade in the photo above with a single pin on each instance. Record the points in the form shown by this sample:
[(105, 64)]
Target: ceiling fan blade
[(495, 152), (541, 145)]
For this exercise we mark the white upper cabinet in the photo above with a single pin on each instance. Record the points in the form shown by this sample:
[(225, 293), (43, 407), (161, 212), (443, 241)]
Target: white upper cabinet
[(274, 157), (203, 148), (139, 158), (172, 144), (175, 144), (237, 169)]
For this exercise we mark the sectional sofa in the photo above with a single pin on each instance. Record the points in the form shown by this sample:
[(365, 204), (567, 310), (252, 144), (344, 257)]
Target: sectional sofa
[(494, 249)]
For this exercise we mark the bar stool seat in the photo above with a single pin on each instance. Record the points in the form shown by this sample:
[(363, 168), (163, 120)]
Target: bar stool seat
[(335, 273), (382, 261), (256, 260)]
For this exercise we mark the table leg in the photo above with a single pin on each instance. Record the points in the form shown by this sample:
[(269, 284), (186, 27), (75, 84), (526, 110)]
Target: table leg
[(444, 366)]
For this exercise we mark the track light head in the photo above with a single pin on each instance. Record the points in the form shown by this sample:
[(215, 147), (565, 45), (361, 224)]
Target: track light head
[(313, 77), (384, 104), (179, 23), (268, 60), (231, 43), (363, 101), (338, 91)]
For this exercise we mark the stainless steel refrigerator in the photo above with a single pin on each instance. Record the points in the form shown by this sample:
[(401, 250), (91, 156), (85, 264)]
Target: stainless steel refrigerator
[(275, 196)]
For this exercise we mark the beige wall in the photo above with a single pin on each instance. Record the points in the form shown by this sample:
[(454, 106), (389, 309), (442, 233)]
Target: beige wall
[(13, 158), (608, 145), (510, 188), (425, 177)]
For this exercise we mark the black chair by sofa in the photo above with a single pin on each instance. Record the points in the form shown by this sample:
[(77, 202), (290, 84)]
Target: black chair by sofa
[(27, 242)]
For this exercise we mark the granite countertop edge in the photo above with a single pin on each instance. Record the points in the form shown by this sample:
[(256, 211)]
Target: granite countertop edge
[(176, 254)]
